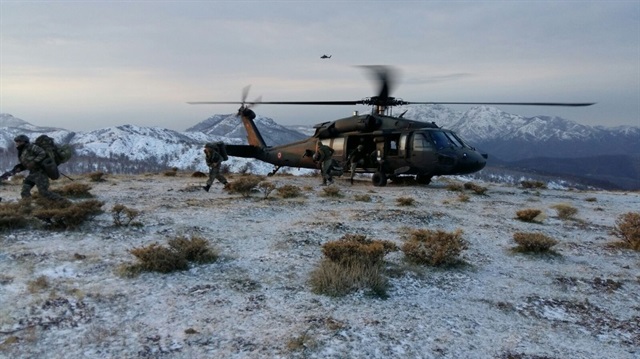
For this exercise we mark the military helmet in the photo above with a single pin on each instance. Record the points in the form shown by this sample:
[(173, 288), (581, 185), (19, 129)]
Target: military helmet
[(21, 138), (210, 145)]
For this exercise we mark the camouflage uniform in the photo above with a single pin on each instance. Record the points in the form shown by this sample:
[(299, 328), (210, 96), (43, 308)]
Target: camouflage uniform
[(31, 156), (324, 155), (356, 159), (214, 161)]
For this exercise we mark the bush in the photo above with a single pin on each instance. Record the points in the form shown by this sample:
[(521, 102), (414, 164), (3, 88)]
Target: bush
[(157, 258), (122, 215), (171, 173), (529, 215), (565, 211), (434, 248), (266, 188), (244, 185), (198, 174), (289, 191), (475, 188), (533, 242), (627, 228), (352, 263), (362, 197), (455, 187), (195, 249), (14, 215), (64, 215)]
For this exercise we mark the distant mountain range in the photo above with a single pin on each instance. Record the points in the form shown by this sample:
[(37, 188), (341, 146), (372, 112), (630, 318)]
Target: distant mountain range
[(606, 157)]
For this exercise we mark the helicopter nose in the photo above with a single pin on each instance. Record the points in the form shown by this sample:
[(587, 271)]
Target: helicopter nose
[(472, 162)]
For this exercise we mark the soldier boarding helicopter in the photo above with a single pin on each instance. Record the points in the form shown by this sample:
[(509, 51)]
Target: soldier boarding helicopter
[(397, 147)]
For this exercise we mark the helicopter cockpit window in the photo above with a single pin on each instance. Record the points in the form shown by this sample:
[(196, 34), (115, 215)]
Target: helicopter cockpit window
[(441, 140), (453, 139)]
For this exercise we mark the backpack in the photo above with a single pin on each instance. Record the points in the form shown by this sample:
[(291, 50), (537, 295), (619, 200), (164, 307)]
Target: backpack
[(59, 154), (222, 149), (56, 155)]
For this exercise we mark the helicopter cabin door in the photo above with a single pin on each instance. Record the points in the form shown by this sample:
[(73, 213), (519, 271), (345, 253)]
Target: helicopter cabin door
[(421, 152)]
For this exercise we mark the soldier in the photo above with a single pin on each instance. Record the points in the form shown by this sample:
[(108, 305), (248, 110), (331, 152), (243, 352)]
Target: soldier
[(324, 155), (356, 159), (214, 160), (31, 156)]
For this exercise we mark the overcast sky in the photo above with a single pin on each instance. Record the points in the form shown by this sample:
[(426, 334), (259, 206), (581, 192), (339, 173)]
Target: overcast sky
[(88, 65)]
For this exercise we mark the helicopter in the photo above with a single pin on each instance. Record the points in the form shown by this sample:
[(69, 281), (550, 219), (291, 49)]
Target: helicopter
[(325, 57), (396, 147)]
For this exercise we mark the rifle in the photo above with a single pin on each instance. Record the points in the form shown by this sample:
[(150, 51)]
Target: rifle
[(5, 176), (67, 176)]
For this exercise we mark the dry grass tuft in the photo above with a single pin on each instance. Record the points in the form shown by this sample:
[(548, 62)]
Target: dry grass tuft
[(198, 174), (405, 201), (591, 199), (171, 173), (289, 191), (156, 258), (67, 215), (332, 191), (477, 189), (362, 197), (194, 249), (352, 263), (96, 176), (533, 242), (75, 190), (39, 284), (15, 215), (627, 228), (565, 211), (455, 187), (529, 215), (533, 184), (434, 248), (245, 185)]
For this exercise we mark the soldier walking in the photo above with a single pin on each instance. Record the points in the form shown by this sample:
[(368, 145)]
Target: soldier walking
[(356, 159), (324, 155), (214, 161), (31, 156)]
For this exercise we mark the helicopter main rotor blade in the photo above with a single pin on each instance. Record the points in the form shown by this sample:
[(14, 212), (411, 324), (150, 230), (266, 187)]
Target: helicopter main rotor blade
[(565, 104), (338, 103)]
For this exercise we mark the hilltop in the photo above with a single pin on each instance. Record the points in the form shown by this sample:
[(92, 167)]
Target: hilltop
[(255, 301)]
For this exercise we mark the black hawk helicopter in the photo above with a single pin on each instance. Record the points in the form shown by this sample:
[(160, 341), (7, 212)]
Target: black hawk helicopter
[(397, 146), (325, 57)]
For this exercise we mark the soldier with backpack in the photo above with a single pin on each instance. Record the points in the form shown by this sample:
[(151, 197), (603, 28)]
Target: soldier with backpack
[(33, 158), (215, 154)]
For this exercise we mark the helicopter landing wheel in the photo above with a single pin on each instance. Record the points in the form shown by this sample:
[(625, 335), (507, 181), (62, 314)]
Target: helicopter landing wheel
[(379, 179), (423, 179)]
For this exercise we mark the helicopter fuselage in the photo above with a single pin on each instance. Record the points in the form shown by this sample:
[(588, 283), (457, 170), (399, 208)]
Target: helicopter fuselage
[(393, 147)]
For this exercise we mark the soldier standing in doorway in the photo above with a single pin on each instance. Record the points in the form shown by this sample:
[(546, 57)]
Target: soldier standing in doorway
[(356, 159)]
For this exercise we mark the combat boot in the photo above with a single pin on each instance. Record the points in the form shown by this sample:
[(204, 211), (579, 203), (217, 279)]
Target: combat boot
[(352, 181), (206, 188)]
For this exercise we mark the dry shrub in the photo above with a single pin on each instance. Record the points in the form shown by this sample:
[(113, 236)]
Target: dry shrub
[(405, 201), (332, 191), (565, 211), (362, 197), (528, 215), (533, 242), (463, 197), (64, 215), (266, 188), (627, 228), (156, 258), (38, 284), (455, 187), (122, 215), (195, 249), (171, 173), (75, 190), (244, 185), (356, 247), (591, 199), (434, 248), (96, 176), (198, 174), (480, 190), (289, 191), (533, 184), (15, 215), (352, 263)]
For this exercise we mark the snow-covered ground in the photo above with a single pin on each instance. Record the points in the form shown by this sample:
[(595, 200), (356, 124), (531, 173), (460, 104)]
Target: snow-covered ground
[(255, 301)]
